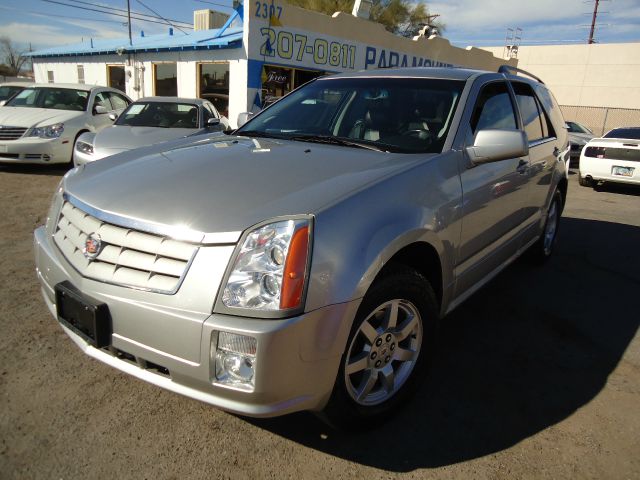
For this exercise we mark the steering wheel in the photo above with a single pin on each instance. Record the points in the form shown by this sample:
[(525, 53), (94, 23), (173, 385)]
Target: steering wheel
[(418, 133)]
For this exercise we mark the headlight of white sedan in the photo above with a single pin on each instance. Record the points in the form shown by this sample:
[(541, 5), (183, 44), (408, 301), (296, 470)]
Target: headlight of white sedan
[(269, 272), (50, 131), (84, 147)]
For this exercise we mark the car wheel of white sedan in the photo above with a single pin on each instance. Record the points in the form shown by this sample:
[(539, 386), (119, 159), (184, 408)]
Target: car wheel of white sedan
[(387, 350)]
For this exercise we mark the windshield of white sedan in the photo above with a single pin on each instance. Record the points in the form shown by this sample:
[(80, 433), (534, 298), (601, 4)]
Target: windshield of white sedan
[(160, 114), (407, 115), (54, 98)]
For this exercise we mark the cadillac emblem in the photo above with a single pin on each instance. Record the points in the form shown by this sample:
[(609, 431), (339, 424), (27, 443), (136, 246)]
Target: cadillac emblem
[(92, 246)]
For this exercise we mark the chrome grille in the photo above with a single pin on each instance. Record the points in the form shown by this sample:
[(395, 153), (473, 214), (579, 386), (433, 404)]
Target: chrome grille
[(11, 133), (127, 257)]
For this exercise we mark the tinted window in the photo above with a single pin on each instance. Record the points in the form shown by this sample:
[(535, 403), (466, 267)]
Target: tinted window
[(529, 112), (574, 127), (633, 133), (394, 114), (494, 109), (8, 91)]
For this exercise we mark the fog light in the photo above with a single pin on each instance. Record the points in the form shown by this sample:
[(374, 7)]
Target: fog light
[(233, 357)]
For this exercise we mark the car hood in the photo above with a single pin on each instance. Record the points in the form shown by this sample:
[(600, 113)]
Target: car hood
[(122, 137), (229, 184), (34, 117)]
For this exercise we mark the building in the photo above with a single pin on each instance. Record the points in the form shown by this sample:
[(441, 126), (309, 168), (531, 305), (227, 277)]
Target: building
[(261, 52), (597, 85)]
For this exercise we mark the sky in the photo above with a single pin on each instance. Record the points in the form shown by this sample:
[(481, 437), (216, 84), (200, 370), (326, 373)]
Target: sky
[(47, 23)]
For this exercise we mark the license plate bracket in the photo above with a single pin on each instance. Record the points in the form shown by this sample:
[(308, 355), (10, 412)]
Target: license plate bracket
[(85, 316), (622, 171)]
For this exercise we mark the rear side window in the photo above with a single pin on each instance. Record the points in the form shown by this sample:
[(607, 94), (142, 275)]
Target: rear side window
[(118, 102), (535, 121), (493, 109)]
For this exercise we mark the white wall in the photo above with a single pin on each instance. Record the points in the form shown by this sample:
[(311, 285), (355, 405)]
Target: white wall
[(597, 75)]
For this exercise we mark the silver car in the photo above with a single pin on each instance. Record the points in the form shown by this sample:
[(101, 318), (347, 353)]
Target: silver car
[(149, 121), (303, 262)]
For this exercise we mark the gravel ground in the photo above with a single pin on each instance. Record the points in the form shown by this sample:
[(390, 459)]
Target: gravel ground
[(536, 376)]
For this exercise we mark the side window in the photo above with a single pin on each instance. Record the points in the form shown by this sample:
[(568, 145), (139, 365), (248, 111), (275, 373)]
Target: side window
[(118, 102), (207, 113), (493, 109), (102, 100), (536, 122)]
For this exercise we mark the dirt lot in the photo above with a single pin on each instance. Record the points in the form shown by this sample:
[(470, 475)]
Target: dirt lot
[(536, 376)]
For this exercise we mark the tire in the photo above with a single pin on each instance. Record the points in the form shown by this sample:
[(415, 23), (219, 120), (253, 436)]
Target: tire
[(584, 182), (383, 363), (542, 250)]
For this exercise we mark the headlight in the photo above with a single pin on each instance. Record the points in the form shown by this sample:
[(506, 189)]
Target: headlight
[(270, 269), (84, 147), (51, 131)]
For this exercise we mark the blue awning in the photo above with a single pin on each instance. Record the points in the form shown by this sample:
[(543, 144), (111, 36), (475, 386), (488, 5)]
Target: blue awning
[(196, 40)]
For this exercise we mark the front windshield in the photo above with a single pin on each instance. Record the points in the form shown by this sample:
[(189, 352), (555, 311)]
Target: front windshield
[(51, 97), (160, 114), (409, 115), (577, 128)]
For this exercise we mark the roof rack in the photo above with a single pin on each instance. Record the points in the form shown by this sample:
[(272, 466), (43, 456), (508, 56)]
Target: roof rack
[(508, 69)]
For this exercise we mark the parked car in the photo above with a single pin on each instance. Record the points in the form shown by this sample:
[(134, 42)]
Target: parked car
[(303, 262), (148, 121), (9, 89), (579, 135), (41, 123), (612, 158)]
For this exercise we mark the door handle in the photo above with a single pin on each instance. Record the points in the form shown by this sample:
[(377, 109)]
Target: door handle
[(522, 167), (556, 152)]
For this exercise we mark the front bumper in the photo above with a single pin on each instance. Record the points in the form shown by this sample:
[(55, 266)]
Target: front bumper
[(157, 338), (36, 150)]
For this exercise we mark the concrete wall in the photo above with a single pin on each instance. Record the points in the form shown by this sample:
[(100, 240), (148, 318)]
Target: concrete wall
[(598, 75)]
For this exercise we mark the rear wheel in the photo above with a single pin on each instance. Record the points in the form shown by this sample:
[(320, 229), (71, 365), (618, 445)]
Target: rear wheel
[(584, 182), (543, 248), (387, 350)]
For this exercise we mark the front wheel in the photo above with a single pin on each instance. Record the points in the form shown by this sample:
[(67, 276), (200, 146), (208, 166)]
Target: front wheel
[(387, 350)]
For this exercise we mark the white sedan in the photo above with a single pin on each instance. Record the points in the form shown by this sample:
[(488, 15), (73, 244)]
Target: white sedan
[(613, 158), (42, 123)]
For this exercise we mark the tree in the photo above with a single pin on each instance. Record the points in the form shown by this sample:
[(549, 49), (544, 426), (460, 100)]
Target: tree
[(13, 57), (402, 17)]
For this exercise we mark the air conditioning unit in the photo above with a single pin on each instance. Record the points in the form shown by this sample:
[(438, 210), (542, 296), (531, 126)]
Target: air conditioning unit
[(208, 19)]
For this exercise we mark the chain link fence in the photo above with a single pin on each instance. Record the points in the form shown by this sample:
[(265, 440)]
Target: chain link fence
[(601, 119)]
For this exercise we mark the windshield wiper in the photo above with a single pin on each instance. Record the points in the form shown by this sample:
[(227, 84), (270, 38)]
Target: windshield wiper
[(338, 141), (259, 134)]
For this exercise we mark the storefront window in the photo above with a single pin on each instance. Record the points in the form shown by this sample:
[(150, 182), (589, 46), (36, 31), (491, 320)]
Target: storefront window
[(115, 76), (165, 79), (213, 85), (278, 81)]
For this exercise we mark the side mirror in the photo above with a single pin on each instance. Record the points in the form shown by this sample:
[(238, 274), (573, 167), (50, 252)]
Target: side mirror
[(244, 117), (100, 110), (213, 122), (494, 145), (2, 102), (113, 116)]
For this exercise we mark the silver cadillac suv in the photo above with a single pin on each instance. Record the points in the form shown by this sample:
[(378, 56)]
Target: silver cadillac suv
[(303, 262)]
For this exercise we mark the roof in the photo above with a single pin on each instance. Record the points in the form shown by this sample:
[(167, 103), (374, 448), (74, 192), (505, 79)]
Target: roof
[(75, 86), (178, 41), (419, 72), (197, 101)]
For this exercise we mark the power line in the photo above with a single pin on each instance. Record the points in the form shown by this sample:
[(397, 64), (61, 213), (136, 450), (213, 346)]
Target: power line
[(149, 20), (153, 11), (214, 3), (155, 16), (40, 14)]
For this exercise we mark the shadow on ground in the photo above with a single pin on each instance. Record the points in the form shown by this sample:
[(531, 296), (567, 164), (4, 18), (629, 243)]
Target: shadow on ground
[(521, 355), (620, 188), (51, 170)]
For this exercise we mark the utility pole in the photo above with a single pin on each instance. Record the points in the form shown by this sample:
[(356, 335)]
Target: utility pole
[(593, 22), (129, 20)]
